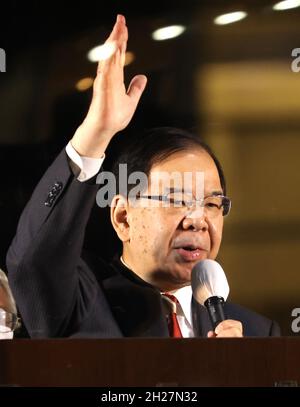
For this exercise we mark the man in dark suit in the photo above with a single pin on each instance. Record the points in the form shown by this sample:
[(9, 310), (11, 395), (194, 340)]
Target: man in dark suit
[(60, 291)]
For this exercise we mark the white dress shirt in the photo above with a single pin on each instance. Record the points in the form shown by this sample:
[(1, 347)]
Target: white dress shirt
[(88, 166)]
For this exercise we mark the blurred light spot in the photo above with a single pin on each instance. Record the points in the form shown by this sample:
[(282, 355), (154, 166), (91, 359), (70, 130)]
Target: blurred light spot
[(165, 33), (84, 84), (102, 52), (287, 4), (230, 17), (129, 57)]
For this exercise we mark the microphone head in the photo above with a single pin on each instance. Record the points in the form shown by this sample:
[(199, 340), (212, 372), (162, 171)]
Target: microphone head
[(209, 280)]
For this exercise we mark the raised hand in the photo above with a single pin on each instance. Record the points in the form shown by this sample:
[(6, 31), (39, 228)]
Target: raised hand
[(112, 106)]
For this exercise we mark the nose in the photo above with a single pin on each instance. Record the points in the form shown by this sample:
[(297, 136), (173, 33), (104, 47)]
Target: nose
[(195, 220)]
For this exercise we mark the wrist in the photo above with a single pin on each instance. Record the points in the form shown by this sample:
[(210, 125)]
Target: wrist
[(88, 144)]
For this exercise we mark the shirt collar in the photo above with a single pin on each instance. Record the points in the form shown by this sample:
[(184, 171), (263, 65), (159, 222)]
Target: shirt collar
[(184, 297)]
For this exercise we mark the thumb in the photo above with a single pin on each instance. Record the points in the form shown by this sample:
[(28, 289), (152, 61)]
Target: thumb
[(136, 87)]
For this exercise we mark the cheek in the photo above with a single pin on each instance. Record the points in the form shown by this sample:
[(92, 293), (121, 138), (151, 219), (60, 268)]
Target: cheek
[(145, 230), (139, 229), (150, 230), (215, 231)]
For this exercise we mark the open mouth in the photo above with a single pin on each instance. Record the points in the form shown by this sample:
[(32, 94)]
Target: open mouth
[(190, 253)]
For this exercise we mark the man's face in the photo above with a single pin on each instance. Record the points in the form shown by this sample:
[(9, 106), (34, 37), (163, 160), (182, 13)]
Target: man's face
[(165, 243)]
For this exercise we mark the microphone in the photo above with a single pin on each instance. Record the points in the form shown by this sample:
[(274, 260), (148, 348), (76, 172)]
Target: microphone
[(210, 288)]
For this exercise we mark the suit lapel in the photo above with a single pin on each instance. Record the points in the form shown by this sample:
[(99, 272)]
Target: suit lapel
[(137, 307)]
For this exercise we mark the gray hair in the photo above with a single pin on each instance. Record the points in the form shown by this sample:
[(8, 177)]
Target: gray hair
[(11, 304)]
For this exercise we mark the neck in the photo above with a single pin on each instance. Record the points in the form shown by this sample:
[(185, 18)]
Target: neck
[(125, 264), (157, 279)]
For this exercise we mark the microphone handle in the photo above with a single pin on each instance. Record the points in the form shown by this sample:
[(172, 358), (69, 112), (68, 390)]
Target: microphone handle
[(215, 308)]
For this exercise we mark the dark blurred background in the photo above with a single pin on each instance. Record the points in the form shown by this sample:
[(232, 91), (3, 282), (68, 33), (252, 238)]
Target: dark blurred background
[(233, 84)]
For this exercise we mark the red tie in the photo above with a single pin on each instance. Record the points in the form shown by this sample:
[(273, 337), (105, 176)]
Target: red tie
[(173, 325)]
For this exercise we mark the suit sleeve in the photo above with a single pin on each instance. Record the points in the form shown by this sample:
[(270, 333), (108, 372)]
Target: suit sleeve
[(275, 329), (49, 280)]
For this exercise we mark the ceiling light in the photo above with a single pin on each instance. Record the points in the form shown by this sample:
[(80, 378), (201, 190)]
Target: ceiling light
[(230, 17), (129, 57), (84, 84), (102, 52), (166, 33), (287, 4)]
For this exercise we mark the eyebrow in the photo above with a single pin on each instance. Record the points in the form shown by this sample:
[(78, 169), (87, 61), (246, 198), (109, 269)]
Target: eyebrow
[(214, 193)]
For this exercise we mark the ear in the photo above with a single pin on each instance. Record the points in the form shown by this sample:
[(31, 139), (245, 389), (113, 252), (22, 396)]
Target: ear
[(118, 217)]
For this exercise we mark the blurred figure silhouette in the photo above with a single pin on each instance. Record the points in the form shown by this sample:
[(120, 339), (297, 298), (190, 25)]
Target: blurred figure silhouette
[(9, 320)]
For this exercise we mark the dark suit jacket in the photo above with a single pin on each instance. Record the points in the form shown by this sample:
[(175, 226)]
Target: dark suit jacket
[(62, 292)]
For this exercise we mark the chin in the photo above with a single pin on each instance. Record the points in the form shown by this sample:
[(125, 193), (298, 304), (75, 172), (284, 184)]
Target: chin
[(183, 273)]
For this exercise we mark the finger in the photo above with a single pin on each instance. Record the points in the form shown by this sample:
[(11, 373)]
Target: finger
[(211, 334), (230, 333), (100, 67), (118, 29), (136, 88), (227, 324), (117, 38), (109, 51), (123, 52), (122, 44)]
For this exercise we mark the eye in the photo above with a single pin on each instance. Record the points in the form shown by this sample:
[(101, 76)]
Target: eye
[(212, 205), (213, 202)]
